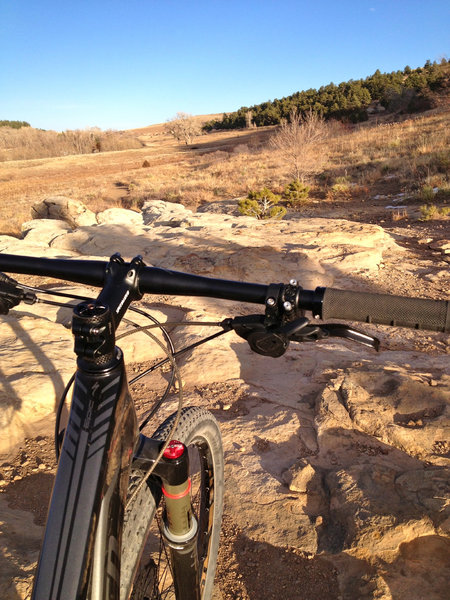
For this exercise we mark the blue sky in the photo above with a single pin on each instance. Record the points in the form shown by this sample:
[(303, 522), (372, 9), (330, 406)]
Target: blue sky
[(130, 63)]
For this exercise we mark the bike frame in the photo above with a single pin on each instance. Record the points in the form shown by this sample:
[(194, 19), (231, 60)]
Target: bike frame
[(80, 554), (89, 493)]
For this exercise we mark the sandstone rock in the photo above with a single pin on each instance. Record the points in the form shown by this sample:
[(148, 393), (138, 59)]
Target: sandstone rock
[(401, 400), (302, 477), (366, 507), (443, 245), (72, 211), (315, 251), (331, 420), (158, 212), (119, 216), (221, 207), (383, 496), (20, 538), (43, 232)]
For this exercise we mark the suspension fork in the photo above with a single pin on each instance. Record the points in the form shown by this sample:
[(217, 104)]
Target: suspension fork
[(180, 526)]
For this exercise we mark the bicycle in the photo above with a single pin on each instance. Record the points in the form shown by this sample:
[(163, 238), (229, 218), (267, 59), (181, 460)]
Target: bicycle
[(112, 481)]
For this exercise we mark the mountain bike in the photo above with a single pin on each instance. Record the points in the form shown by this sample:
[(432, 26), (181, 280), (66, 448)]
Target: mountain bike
[(136, 516)]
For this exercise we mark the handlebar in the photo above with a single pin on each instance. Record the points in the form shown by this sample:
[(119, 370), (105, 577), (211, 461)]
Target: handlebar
[(416, 313)]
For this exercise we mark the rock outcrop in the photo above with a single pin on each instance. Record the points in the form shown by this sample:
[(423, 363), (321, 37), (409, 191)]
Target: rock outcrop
[(66, 209), (333, 449)]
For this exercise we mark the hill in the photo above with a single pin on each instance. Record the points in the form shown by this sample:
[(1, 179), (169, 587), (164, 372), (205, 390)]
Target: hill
[(408, 91)]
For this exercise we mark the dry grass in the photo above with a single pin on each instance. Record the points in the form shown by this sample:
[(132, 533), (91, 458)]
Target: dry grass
[(413, 149), (361, 161), (27, 142)]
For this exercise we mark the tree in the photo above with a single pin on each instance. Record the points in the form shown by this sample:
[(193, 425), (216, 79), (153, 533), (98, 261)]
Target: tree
[(14, 124), (183, 127), (297, 140), (262, 204)]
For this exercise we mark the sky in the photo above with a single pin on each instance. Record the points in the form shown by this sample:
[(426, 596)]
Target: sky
[(122, 64)]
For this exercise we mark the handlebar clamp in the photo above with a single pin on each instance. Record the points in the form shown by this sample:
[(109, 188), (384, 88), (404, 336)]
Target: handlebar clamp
[(282, 303)]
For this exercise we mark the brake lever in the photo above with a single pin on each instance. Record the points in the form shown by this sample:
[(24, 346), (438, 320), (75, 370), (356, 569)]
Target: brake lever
[(313, 333), (275, 341), (11, 295)]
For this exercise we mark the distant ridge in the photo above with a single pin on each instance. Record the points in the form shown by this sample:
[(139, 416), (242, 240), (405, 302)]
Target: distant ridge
[(406, 91)]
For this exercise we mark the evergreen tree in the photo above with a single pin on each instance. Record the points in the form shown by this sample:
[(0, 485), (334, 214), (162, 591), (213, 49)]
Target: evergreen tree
[(347, 100)]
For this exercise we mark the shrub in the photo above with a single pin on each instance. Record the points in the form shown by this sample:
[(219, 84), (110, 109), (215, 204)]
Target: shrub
[(341, 189), (426, 193), (14, 124), (296, 193), (440, 162), (443, 194), (431, 211), (262, 205)]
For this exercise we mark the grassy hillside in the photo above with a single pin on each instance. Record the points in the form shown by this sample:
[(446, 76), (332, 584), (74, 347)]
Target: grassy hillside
[(355, 164)]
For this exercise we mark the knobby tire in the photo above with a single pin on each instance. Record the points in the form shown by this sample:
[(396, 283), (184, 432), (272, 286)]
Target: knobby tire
[(145, 568)]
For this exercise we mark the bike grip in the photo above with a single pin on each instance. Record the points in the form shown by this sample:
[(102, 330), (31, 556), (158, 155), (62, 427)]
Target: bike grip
[(398, 311)]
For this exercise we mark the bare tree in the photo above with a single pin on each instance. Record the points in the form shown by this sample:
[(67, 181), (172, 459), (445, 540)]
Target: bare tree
[(297, 140), (183, 127)]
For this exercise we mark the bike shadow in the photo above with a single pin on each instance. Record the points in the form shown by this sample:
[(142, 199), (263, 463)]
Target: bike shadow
[(43, 364)]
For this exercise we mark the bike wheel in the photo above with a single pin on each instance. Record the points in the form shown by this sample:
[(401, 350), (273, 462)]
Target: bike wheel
[(143, 541)]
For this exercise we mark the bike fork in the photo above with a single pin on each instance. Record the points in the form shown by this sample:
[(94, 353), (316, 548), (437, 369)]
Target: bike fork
[(180, 526)]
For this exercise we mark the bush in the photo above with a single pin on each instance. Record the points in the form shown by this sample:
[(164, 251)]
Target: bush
[(443, 194), (262, 205), (440, 162), (296, 193), (427, 193), (431, 211), (341, 189), (14, 124)]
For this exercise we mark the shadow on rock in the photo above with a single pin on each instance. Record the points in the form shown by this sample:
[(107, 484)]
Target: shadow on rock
[(252, 570)]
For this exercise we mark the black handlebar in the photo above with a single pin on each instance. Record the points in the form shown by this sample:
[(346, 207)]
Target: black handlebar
[(327, 303)]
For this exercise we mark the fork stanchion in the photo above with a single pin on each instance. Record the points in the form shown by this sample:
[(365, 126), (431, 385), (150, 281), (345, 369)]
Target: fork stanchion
[(180, 529)]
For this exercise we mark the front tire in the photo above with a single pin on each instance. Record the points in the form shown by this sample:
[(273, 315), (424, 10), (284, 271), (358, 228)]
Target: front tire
[(142, 539)]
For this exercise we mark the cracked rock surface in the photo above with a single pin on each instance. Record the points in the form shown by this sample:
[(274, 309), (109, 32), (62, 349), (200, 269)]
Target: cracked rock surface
[(336, 456)]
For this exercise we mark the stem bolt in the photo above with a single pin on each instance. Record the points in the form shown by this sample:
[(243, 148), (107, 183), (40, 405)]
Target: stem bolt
[(287, 306), (270, 302)]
